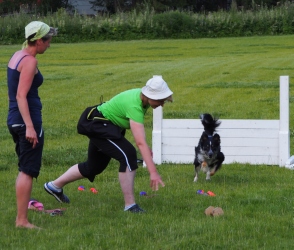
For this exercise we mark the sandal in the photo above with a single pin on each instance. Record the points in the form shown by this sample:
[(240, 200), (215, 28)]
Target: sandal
[(35, 205), (38, 206), (55, 212)]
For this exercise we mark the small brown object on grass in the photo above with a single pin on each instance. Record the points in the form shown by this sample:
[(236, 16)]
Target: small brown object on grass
[(208, 211), (214, 211), (217, 211)]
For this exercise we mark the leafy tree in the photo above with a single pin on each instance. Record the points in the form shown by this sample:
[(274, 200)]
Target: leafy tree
[(40, 6), (114, 6), (251, 4)]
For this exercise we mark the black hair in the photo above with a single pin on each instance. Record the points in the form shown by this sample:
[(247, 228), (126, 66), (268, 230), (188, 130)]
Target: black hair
[(31, 43), (44, 39)]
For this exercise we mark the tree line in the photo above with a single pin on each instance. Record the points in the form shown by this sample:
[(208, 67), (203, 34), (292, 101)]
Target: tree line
[(115, 6)]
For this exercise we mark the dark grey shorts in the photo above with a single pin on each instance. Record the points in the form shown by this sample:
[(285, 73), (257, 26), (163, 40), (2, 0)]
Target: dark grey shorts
[(29, 158), (100, 151)]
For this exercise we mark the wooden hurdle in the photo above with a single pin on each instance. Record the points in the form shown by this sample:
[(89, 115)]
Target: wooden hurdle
[(242, 141)]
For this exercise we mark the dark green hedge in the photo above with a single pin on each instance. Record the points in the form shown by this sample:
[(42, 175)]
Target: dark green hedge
[(149, 25)]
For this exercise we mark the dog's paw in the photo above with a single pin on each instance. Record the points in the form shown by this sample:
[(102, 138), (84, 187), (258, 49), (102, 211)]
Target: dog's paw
[(204, 164), (212, 173), (195, 179)]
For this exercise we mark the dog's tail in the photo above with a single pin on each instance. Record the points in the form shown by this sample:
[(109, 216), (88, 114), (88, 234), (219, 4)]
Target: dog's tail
[(210, 123)]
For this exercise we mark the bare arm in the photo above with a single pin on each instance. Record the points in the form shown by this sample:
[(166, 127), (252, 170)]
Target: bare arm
[(138, 131), (27, 68)]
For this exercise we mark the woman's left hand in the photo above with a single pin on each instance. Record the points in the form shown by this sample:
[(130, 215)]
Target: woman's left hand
[(31, 136)]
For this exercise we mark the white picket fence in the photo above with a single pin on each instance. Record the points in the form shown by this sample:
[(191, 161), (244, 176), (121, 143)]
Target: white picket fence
[(242, 141)]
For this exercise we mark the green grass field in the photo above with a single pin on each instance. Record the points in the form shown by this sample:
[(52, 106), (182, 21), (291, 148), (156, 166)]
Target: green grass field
[(233, 78)]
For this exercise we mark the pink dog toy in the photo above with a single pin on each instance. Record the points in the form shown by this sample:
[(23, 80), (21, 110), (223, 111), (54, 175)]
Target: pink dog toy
[(93, 190)]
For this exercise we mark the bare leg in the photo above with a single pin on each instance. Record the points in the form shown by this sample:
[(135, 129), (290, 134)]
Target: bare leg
[(23, 187), (72, 174), (126, 180)]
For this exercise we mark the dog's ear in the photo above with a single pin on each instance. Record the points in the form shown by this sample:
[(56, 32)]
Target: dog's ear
[(216, 138), (204, 137)]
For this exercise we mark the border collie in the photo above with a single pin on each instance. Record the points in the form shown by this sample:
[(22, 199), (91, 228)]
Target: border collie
[(208, 155)]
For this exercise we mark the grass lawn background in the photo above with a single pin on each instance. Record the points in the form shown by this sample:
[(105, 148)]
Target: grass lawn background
[(233, 78)]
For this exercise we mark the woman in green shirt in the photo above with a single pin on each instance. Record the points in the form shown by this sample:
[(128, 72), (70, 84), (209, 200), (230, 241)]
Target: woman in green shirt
[(126, 110)]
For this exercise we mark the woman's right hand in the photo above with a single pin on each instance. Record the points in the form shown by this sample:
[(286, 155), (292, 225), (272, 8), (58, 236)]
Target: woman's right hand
[(155, 180)]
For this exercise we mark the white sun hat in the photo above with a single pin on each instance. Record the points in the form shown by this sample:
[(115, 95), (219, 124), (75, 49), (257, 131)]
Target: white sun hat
[(156, 89)]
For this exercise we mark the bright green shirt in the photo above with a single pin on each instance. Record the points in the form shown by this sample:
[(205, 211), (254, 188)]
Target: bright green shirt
[(124, 107)]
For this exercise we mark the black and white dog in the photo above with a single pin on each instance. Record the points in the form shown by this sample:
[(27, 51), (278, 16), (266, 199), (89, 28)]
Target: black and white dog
[(208, 155)]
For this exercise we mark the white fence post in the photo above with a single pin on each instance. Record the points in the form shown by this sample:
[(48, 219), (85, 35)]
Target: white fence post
[(284, 134), (156, 135)]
